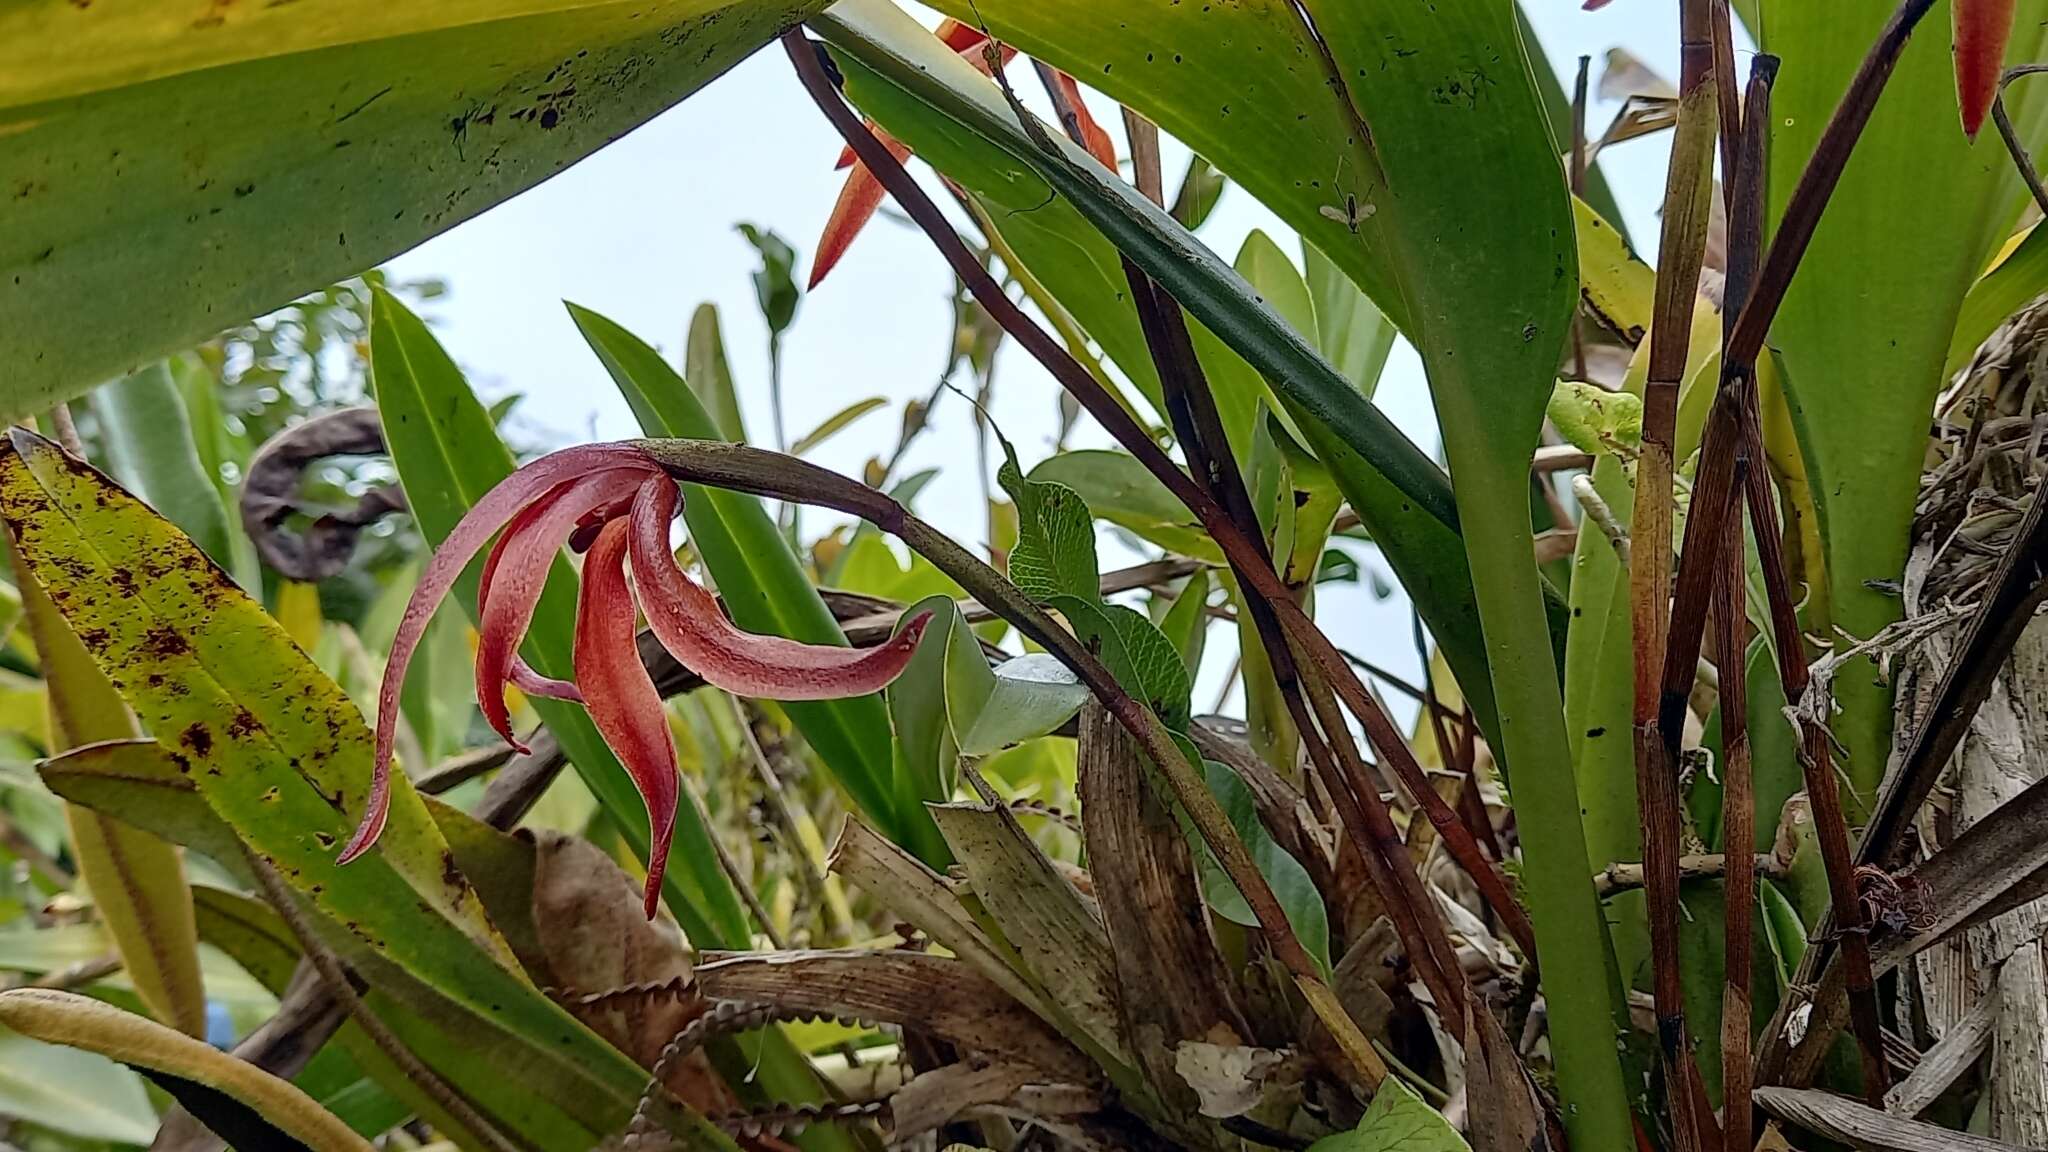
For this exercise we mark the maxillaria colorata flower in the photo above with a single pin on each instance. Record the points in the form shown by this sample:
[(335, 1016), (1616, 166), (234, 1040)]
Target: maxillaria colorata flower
[(616, 501)]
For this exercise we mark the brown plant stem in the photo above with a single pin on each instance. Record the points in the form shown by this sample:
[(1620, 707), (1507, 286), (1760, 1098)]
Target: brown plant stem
[(1259, 576), (777, 477), (1738, 798), (1688, 189), (1795, 231), (1198, 426)]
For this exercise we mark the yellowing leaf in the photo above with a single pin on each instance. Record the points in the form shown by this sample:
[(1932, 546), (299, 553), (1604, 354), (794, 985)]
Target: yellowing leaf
[(137, 881)]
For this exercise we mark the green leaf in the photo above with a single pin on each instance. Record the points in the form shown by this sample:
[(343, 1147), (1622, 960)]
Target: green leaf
[(775, 280), (448, 455), (1186, 622), (834, 424), (1402, 496), (1291, 885), (148, 435), (1866, 325), (1055, 552), (1594, 419), (276, 749), (1034, 694), (178, 174), (875, 35), (1201, 186), (136, 880), (506, 1081), (2009, 286), (1351, 332), (1397, 1121), (764, 587), (72, 1091), (918, 702), (1455, 219), (1144, 662), (710, 377), (1122, 491)]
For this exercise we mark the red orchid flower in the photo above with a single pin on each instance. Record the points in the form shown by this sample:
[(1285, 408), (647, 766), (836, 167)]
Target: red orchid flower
[(617, 501), (1981, 29), (862, 193)]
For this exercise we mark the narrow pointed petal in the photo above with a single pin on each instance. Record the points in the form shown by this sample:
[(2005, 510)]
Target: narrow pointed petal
[(517, 573), (858, 199), (533, 683), (1982, 28), (1093, 134), (687, 621), (622, 699), (470, 534)]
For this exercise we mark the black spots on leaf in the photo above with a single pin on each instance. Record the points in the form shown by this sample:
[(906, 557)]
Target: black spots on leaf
[(1595, 733), (165, 642), (244, 725), (198, 737)]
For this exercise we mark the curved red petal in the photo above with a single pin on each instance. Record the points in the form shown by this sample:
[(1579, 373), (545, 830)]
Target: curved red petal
[(1981, 28), (518, 571), (533, 683), (688, 622), (1093, 134), (858, 199), (622, 699), (469, 535)]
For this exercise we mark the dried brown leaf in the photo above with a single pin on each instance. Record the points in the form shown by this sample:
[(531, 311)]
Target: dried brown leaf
[(938, 995), (590, 925)]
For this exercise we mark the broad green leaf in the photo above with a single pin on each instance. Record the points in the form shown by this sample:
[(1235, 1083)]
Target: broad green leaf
[(710, 377), (80, 1022), (1594, 419), (75, 1092), (148, 436), (1350, 330), (1144, 662), (1291, 885), (275, 748), (1055, 552), (1120, 490), (929, 756), (1397, 1121), (834, 424), (2012, 283), (1034, 694), (448, 455), (137, 881), (764, 587), (182, 169), (1865, 328)]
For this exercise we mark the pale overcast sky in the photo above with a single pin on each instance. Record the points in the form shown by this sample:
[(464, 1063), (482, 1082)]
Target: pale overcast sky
[(643, 232)]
